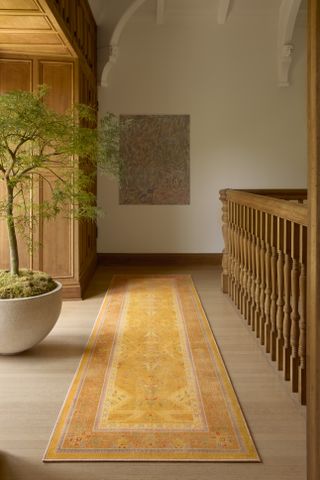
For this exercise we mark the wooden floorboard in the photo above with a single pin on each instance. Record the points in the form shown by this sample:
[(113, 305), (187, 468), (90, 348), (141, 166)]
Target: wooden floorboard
[(33, 386)]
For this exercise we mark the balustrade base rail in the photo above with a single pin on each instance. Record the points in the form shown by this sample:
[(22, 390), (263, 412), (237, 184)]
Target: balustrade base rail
[(264, 272)]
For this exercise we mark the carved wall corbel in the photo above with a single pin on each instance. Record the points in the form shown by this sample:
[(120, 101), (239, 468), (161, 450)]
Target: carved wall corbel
[(287, 19)]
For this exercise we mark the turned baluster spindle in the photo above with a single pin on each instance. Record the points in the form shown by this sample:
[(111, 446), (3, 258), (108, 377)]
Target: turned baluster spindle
[(240, 258), (287, 305), (242, 266), (253, 272), (280, 293), (237, 272), (267, 303), (264, 273), (295, 317), (249, 273), (225, 233), (230, 249), (234, 237), (233, 250), (302, 339), (231, 254), (245, 264), (262, 277), (273, 307), (302, 312), (258, 273)]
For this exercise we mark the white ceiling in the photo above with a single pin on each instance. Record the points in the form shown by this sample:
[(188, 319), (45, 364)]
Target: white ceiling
[(101, 7), (113, 15), (107, 13), (204, 6)]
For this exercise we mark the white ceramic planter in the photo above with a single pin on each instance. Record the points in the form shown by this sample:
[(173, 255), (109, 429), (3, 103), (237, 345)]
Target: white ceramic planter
[(24, 322)]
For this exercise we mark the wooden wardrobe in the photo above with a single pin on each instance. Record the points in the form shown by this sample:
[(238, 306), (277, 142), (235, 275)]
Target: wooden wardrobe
[(52, 42)]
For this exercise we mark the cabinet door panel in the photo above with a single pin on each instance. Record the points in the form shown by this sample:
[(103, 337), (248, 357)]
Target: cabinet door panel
[(14, 75), (57, 235)]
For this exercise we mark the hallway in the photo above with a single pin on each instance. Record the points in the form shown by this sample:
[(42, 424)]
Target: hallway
[(35, 384)]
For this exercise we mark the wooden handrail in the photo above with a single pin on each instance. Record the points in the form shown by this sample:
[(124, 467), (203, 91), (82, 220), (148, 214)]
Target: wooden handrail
[(264, 271), (293, 212), (298, 194)]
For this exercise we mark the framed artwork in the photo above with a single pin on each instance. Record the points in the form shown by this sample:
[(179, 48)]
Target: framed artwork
[(155, 152)]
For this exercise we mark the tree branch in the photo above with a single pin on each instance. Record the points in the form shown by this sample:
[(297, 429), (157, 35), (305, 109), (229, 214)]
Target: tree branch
[(55, 174), (22, 142), (13, 160), (45, 179)]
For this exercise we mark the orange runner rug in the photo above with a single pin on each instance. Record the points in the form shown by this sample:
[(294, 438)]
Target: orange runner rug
[(151, 384)]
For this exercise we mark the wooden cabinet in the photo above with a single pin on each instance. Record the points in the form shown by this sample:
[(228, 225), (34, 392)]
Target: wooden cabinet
[(63, 247)]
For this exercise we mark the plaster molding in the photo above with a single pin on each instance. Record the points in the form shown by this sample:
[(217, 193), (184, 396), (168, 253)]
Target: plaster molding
[(115, 39), (223, 11), (287, 19), (161, 7), (112, 60), (113, 53)]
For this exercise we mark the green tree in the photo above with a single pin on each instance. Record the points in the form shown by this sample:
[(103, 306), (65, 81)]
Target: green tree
[(38, 143)]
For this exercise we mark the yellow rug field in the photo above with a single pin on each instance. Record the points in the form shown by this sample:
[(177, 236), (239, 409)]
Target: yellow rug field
[(151, 384)]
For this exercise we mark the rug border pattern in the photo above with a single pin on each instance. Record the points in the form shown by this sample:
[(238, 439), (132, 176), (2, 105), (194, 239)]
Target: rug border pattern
[(251, 455)]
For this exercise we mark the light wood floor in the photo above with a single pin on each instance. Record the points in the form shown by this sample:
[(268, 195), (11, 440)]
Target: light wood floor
[(33, 386)]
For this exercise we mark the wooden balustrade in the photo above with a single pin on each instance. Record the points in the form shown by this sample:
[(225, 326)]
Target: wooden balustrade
[(264, 272)]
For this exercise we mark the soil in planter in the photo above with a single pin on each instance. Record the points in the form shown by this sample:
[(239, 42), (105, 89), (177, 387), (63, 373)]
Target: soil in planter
[(26, 284)]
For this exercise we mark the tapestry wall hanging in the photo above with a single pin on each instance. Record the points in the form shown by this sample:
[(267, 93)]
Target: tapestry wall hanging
[(155, 151)]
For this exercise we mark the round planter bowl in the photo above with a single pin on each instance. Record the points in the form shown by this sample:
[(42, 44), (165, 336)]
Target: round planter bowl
[(24, 322)]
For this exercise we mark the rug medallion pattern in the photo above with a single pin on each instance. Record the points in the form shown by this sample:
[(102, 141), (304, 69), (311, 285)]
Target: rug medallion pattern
[(151, 384)]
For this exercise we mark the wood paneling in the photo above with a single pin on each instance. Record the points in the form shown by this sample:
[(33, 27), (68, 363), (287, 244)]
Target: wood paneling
[(14, 75), (29, 27), (36, 38), (54, 256), (29, 24), (67, 249), (28, 5), (24, 49), (4, 247), (313, 331), (60, 79), (87, 94), (159, 259), (35, 35), (77, 23), (50, 27), (57, 255)]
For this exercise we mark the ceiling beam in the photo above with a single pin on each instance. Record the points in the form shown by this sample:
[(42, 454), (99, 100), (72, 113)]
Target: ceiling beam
[(223, 11), (161, 6), (288, 13)]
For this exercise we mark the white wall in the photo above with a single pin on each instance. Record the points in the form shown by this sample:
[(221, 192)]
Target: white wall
[(245, 130)]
